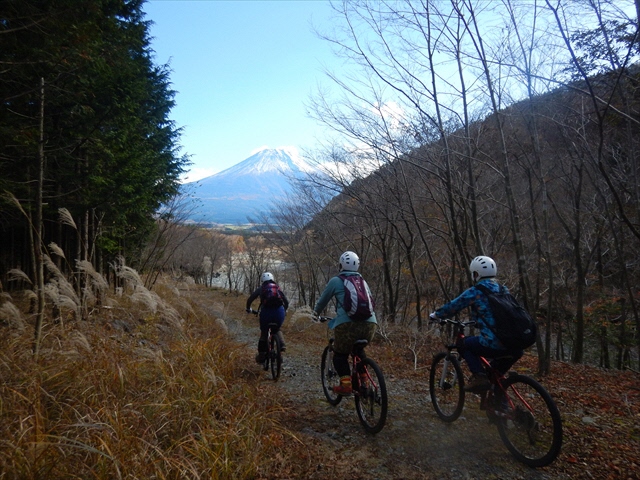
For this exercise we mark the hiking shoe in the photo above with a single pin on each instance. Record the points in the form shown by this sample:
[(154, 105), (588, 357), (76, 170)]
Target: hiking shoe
[(283, 348), (478, 383), (343, 389), (260, 357)]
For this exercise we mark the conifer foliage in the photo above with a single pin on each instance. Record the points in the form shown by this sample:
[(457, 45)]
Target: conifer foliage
[(82, 98)]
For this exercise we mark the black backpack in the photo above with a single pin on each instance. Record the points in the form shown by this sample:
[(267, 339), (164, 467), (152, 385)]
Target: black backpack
[(270, 295), (514, 326), (357, 302)]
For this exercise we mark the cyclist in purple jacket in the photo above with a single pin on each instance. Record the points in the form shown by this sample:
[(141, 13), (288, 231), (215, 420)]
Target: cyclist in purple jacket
[(483, 270), (270, 312)]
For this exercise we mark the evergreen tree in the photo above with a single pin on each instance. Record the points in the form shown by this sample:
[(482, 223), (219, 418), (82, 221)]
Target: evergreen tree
[(110, 148)]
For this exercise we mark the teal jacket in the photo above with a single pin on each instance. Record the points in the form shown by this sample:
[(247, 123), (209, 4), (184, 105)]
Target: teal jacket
[(335, 288)]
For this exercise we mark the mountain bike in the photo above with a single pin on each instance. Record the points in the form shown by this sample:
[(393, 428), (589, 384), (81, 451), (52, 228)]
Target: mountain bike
[(273, 356), (526, 416), (369, 387)]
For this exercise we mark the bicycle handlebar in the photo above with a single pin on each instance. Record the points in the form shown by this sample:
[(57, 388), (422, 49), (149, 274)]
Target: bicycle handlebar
[(443, 321), (321, 319), (251, 310)]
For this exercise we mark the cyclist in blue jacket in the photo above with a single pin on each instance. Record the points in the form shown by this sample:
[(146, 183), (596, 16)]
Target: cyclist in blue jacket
[(346, 331), (483, 270)]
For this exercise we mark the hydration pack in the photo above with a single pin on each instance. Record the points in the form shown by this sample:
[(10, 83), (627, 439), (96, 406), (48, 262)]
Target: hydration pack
[(357, 302), (514, 326), (270, 295)]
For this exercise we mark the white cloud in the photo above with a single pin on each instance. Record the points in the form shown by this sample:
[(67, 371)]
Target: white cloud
[(393, 113), (197, 174), (291, 151)]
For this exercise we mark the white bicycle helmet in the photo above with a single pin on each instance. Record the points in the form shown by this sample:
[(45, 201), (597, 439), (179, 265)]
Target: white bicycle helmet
[(266, 276), (349, 262), (485, 267)]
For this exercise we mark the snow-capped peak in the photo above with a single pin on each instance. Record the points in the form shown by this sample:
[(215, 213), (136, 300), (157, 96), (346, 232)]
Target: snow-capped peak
[(249, 186), (282, 160)]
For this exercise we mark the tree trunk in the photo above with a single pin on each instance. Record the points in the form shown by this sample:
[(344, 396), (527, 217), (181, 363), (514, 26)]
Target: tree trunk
[(604, 348), (37, 228)]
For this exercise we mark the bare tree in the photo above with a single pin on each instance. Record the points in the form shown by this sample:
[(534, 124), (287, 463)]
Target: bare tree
[(453, 139), (170, 234)]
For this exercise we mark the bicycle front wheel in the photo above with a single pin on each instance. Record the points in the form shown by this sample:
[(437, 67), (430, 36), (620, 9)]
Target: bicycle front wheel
[(529, 423), (275, 354), (371, 396), (446, 386), (330, 377)]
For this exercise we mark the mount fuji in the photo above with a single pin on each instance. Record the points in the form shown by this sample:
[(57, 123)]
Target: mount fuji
[(247, 189)]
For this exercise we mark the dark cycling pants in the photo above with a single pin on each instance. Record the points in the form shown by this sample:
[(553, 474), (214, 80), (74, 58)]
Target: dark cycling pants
[(270, 315), (502, 360)]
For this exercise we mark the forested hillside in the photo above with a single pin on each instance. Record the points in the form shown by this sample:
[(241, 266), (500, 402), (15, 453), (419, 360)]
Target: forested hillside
[(483, 128)]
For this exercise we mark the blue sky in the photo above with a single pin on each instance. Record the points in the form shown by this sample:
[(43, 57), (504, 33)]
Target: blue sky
[(243, 71)]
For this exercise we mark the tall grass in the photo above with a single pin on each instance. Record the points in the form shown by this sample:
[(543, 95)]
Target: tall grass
[(134, 392)]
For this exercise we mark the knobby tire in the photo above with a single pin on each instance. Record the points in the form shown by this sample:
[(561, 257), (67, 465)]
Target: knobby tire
[(276, 356), (446, 386), (330, 377), (371, 396), (532, 427)]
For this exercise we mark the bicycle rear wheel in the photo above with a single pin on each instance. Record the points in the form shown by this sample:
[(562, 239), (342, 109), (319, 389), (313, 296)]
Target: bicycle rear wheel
[(330, 377), (275, 354), (531, 426), (371, 396), (446, 386)]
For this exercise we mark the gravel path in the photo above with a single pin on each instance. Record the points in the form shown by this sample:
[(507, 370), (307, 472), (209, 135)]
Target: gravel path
[(414, 443)]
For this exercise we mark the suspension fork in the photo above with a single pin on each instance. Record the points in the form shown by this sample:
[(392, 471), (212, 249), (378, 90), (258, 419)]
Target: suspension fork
[(445, 369)]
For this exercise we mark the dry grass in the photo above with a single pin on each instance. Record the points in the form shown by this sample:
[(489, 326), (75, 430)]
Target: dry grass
[(135, 392)]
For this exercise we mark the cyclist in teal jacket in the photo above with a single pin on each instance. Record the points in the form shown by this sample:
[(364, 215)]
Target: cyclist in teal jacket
[(346, 331), (483, 270)]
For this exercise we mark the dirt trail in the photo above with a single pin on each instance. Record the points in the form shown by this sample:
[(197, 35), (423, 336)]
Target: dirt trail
[(414, 443)]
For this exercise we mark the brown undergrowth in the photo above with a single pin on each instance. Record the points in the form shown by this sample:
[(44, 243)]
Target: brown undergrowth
[(132, 393)]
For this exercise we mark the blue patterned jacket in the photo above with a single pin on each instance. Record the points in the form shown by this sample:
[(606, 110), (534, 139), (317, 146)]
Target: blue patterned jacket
[(479, 305)]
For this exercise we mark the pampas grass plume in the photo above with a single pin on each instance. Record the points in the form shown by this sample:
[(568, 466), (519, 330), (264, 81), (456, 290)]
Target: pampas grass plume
[(51, 267), (56, 249), (66, 218), (10, 314), (97, 280), (128, 273), (17, 274), (144, 296)]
